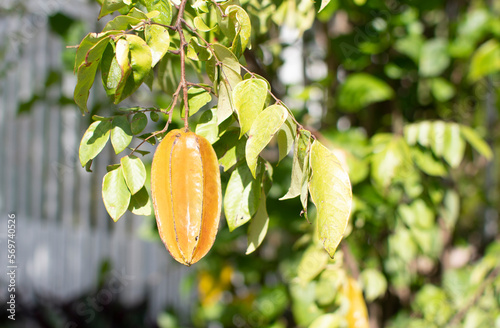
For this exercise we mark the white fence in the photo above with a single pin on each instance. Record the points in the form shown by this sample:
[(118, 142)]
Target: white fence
[(63, 232)]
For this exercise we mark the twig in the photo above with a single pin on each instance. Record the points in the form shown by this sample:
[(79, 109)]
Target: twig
[(219, 7), (169, 120), (183, 46)]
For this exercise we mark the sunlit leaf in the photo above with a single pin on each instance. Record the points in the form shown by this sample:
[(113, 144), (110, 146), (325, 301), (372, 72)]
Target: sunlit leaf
[(454, 145), (324, 3), (140, 62), (242, 196), (230, 149), (299, 166), (360, 90), (201, 25), (207, 126), (237, 27), (262, 131), (331, 193), (94, 140), (257, 229), (86, 73), (374, 284), (165, 9), (140, 203), (286, 136), (476, 142), (197, 98), (428, 163), (134, 173), (228, 81), (109, 6), (329, 320), (88, 42), (121, 23), (391, 159), (158, 40), (485, 60), (434, 57), (249, 97), (115, 193), (121, 135), (198, 52), (312, 263), (227, 57)]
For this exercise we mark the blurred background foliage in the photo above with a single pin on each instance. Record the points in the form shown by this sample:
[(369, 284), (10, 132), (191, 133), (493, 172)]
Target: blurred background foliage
[(406, 94)]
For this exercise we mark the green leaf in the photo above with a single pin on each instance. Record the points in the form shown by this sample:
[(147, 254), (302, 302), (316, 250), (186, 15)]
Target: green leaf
[(304, 308), (139, 122), (109, 6), (207, 126), (442, 90), (374, 284), (312, 263), (230, 149), (416, 215), (262, 131), (451, 208), (227, 57), (454, 145), (324, 3), (225, 104), (300, 164), (411, 46), (328, 286), (328, 320), (88, 42), (476, 142), (155, 117), (485, 60), (121, 135), (259, 224), (121, 23), (140, 63), (165, 9), (86, 73), (137, 13), (237, 27), (197, 98), (201, 25), (134, 173), (438, 129), (428, 163), (241, 199), (286, 136), (158, 40), (115, 194), (94, 140), (111, 72), (140, 203), (360, 90), (391, 159), (249, 97), (197, 51), (434, 57), (331, 193), (201, 6)]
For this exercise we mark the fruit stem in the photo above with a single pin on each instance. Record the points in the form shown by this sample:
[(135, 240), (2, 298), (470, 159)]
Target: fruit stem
[(183, 45)]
